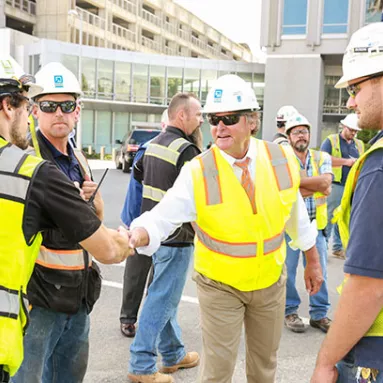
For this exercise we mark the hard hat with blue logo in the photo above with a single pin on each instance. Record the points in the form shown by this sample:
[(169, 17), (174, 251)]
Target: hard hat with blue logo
[(297, 120), (56, 78), (230, 93)]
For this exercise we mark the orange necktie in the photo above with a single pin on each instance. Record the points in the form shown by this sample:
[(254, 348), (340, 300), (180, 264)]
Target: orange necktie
[(247, 182)]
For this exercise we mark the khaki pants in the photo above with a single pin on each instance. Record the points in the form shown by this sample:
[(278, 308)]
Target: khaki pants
[(223, 311)]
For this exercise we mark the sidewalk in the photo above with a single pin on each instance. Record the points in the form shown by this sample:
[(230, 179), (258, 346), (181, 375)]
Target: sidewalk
[(99, 164)]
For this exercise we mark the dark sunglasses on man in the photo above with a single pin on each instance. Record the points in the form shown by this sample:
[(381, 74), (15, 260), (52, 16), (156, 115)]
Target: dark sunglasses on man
[(51, 106), (228, 120)]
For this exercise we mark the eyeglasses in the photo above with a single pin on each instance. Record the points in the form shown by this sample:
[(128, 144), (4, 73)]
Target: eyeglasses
[(353, 89), (304, 132), (51, 106), (227, 120)]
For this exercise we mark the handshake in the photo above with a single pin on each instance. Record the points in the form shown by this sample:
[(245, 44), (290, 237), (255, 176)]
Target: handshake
[(131, 239)]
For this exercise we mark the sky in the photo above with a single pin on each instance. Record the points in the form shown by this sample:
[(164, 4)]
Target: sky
[(239, 20)]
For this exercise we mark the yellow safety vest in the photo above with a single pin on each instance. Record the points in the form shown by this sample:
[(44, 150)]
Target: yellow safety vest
[(336, 152), (342, 217), (17, 257), (316, 161), (234, 245)]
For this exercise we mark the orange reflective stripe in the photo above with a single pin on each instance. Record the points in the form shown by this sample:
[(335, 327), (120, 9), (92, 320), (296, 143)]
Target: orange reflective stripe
[(280, 165), (62, 259), (211, 178), (239, 249)]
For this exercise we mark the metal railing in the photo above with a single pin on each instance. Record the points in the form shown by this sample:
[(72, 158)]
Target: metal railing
[(23, 5), (181, 33), (211, 49), (170, 51), (123, 32), (126, 4), (198, 43), (170, 28), (91, 18), (150, 17), (151, 44)]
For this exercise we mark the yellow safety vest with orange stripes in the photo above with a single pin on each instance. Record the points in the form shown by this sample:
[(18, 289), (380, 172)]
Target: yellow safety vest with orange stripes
[(342, 216), (233, 245)]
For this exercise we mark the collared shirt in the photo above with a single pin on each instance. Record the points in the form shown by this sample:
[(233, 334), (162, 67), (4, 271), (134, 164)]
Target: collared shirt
[(68, 164), (178, 206), (325, 168)]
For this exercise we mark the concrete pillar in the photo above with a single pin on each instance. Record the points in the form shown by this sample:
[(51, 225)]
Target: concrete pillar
[(2, 14)]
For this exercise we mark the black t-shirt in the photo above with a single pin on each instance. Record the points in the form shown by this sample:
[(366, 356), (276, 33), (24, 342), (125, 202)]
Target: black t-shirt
[(54, 202)]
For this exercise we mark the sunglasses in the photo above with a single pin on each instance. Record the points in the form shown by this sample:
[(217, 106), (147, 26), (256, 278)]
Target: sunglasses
[(353, 89), (51, 106), (228, 120)]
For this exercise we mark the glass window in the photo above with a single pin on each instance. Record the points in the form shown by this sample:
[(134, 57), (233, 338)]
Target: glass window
[(174, 81), (123, 71), (88, 70), (191, 81), (335, 100), (105, 79), (207, 77), (335, 16), (373, 11), (259, 87), (140, 82), (87, 126), (294, 17), (139, 117), (121, 125), (104, 129), (157, 85), (248, 77), (70, 62)]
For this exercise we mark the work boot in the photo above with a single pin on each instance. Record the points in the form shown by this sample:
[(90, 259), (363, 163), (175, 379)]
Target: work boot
[(128, 330), (157, 377), (294, 323), (323, 324), (191, 360), (340, 254)]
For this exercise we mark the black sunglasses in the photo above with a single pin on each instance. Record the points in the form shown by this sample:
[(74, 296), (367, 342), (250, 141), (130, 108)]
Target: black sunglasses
[(353, 89), (51, 106), (227, 120)]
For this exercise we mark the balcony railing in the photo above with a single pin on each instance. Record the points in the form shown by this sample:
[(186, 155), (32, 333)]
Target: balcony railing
[(123, 32), (170, 28), (181, 33), (211, 49), (200, 44), (170, 51), (126, 4), (23, 5), (151, 18), (91, 18), (151, 44)]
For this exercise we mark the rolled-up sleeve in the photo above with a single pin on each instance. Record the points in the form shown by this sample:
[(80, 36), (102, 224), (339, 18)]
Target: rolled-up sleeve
[(302, 232)]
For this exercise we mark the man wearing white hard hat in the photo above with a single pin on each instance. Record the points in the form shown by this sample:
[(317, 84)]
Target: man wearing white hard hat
[(352, 349), (239, 195), (35, 196), (284, 113), (315, 185), (65, 283), (344, 149)]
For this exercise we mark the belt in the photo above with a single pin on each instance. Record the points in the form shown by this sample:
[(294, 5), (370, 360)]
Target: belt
[(4, 375)]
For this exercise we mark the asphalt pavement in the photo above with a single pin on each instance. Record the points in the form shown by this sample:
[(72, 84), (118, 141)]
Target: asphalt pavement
[(109, 350)]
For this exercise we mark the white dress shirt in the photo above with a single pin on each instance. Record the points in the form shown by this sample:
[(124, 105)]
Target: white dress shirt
[(178, 206)]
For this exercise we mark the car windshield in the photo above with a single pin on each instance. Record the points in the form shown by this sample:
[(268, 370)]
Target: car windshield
[(141, 136)]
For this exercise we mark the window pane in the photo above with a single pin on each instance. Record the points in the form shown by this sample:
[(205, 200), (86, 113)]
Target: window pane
[(104, 125), (294, 17), (373, 11), (259, 87), (88, 77), (105, 79), (331, 95), (157, 85), (335, 16), (121, 125), (207, 78), (123, 81), (174, 81), (140, 82), (191, 81), (87, 126), (70, 62)]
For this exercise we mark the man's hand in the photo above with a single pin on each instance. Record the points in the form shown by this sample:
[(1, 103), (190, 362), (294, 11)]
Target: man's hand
[(350, 162), (139, 237), (324, 375), (88, 187), (313, 271)]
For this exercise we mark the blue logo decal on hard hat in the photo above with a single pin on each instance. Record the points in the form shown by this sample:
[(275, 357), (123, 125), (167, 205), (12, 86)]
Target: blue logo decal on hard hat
[(59, 81), (218, 95), (239, 98)]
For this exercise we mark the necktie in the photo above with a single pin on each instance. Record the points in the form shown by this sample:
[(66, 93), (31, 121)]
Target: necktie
[(247, 182)]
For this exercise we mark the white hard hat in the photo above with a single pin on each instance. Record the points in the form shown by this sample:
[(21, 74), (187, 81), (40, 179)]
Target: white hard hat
[(297, 120), (351, 121), (14, 80), (364, 54), (230, 93), (285, 113), (55, 78)]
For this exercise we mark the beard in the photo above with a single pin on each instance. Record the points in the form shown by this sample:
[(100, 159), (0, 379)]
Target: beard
[(196, 138), (301, 147), (17, 138), (372, 116)]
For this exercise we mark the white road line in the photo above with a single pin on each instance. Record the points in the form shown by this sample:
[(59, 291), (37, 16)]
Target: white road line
[(118, 285)]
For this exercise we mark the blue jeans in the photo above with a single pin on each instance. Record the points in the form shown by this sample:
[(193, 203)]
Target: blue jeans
[(56, 347), (348, 371), (319, 303), (158, 327), (333, 201)]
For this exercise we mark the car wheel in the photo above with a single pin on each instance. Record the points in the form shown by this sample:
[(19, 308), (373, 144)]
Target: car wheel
[(118, 163), (125, 166)]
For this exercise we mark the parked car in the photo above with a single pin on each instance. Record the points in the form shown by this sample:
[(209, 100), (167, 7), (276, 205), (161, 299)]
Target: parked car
[(129, 146)]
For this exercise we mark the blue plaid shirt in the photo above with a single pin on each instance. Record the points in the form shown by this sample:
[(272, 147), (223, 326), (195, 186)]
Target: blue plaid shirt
[(326, 167)]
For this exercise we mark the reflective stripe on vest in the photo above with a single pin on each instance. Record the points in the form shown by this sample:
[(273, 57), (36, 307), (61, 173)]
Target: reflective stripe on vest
[(211, 178), (13, 160), (13, 186), (62, 259), (242, 250), (10, 303), (163, 153), (152, 193)]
